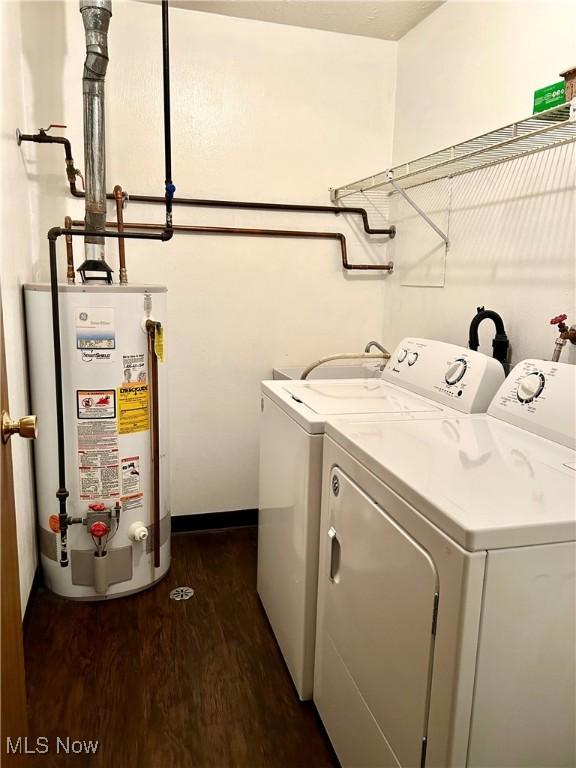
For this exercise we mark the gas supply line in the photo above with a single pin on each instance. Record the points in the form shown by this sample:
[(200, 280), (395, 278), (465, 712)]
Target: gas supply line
[(42, 137)]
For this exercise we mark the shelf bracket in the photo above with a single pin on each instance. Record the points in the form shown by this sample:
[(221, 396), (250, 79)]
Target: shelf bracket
[(417, 208)]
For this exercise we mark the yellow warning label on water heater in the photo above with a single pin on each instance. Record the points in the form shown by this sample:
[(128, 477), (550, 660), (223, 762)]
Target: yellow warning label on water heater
[(133, 410), (159, 343)]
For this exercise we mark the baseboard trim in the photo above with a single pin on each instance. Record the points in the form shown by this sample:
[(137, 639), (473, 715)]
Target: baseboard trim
[(213, 521)]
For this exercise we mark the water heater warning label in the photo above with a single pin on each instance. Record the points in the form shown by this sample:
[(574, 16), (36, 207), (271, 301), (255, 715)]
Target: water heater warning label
[(98, 463), (133, 413), (130, 475), (96, 404), (99, 482)]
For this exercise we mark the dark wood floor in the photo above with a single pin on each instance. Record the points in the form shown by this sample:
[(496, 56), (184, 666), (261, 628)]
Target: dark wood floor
[(166, 684)]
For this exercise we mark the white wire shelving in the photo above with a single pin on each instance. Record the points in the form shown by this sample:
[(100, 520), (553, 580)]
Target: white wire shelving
[(538, 132)]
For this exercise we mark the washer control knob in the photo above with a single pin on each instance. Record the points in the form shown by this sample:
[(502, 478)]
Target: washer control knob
[(530, 387), (456, 371), (402, 355), (412, 357)]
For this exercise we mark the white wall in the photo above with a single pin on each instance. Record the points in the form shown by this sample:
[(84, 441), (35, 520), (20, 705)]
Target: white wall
[(278, 113), (468, 68), (16, 268), (260, 111)]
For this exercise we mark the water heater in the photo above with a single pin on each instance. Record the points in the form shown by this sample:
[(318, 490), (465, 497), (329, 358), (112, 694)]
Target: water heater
[(115, 417)]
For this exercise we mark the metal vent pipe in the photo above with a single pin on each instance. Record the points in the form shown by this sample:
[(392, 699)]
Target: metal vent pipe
[(96, 16)]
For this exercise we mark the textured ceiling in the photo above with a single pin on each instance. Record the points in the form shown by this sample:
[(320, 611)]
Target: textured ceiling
[(385, 19)]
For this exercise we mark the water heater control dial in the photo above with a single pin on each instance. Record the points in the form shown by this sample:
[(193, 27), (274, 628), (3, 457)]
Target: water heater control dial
[(412, 357), (530, 387), (456, 371), (402, 355)]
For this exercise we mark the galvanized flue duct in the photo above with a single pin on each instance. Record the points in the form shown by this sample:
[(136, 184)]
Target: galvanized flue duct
[(96, 16)]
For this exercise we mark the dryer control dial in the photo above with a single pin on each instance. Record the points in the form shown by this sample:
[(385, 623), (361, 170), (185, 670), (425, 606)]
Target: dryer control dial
[(530, 387), (456, 371), (412, 357), (402, 355)]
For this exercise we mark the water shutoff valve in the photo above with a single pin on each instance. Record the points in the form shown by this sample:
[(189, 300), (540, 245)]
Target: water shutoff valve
[(566, 333), (138, 531)]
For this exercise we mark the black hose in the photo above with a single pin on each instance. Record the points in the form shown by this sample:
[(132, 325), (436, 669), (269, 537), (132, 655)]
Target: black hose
[(483, 314), (499, 342)]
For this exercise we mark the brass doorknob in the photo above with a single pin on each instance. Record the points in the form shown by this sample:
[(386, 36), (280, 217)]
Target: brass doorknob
[(27, 427)]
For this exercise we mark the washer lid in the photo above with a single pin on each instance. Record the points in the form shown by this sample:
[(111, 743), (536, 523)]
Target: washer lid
[(485, 483), (333, 398), (311, 402)]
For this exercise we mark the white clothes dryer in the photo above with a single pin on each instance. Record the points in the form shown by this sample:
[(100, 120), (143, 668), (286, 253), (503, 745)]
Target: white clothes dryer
[(447, 583)]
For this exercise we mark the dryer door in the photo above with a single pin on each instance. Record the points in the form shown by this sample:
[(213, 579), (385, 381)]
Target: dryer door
[(376, 640)]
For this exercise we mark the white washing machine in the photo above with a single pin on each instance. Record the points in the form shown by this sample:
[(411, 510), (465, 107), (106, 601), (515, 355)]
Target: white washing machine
[(447, 583), (430, 379)]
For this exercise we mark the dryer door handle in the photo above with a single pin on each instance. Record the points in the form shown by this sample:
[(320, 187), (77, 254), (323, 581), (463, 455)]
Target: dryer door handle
[(334, 555)]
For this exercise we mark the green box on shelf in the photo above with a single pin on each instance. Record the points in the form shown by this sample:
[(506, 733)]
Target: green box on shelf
[(550, 96)]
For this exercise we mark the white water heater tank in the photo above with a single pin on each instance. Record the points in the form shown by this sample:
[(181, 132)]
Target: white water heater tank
[(108, 396)]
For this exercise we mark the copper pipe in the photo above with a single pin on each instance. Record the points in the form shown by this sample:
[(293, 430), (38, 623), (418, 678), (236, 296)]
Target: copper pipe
[(70, 274), (119, 198), (151, 328), (200, 203), (289, 233), (240, 205)]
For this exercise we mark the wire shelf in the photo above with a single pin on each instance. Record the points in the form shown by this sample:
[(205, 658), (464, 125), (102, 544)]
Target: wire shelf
[(545, 130)]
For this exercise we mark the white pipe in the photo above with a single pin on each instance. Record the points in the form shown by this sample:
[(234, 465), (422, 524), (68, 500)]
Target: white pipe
[(344, 356)]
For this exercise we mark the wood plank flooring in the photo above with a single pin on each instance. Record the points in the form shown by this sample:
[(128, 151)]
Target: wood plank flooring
[(165, 684)]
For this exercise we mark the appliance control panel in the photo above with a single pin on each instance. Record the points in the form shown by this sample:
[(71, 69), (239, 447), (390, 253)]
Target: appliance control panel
[(539, 396), (454, 376)]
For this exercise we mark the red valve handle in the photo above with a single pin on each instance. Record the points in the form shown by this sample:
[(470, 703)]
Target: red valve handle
[(97, 507), (98, 529), (53, 125), (559, 319)]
